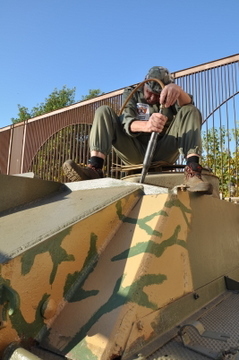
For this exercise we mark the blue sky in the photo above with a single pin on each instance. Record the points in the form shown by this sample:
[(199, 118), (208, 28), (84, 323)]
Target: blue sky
[(106, 45)]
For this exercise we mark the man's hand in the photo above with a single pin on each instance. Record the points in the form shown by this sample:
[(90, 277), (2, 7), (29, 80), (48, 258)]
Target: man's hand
[(172, 93), (155, 123)]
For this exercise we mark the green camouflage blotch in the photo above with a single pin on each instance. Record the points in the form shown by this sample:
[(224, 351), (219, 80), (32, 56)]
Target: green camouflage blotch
[(120, 296), (151, 247), (78, 279), (9, 298), (136, 293), (57, 253), (176, 202), (27, 330), (142, 223), (72, 282)]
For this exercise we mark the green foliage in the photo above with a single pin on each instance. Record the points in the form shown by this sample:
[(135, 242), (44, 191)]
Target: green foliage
[(56, 100), (218, 156), (23, 114), (92, 94)]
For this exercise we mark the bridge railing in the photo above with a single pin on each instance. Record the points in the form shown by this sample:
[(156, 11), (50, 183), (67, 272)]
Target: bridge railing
[(43, 143)]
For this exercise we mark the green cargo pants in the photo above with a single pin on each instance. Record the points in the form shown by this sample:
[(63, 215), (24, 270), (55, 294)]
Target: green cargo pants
[(182, 137)]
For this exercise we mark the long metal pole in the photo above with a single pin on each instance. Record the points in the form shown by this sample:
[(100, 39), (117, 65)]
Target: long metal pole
[(149, 152)]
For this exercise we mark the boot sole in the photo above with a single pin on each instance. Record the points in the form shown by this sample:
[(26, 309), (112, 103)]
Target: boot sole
[(70, 173), (202, 189)]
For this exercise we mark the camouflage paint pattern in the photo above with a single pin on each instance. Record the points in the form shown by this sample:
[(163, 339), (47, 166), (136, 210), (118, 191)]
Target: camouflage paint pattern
[(131, 279), (96, 290), (35, 284)]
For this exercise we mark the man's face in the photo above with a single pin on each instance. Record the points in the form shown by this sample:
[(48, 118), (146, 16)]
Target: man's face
[(150, 97)]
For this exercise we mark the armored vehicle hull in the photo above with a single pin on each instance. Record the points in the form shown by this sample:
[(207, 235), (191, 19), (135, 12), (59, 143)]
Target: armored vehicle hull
[(113, 269)]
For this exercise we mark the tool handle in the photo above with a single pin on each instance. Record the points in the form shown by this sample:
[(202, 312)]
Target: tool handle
[(149, 152)]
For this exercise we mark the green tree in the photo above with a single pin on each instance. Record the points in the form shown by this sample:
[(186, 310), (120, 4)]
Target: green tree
[(220, 158), (92, 94), (23, 114), (56, 100)]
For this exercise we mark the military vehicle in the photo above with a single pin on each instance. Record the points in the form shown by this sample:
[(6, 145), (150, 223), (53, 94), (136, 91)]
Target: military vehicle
[(116, 269)]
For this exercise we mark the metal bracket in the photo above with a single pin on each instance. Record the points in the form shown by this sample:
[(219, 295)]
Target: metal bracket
[(231, 284), (198, 326)]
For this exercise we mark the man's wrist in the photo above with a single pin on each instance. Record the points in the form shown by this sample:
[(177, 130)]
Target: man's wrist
[(137, 126)]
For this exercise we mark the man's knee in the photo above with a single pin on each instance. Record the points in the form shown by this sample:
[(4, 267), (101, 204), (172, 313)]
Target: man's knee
[(104, 110), (190, 112), (190, 109)]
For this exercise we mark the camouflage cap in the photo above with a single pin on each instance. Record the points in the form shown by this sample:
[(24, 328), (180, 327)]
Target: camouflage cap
[(161, 73)]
